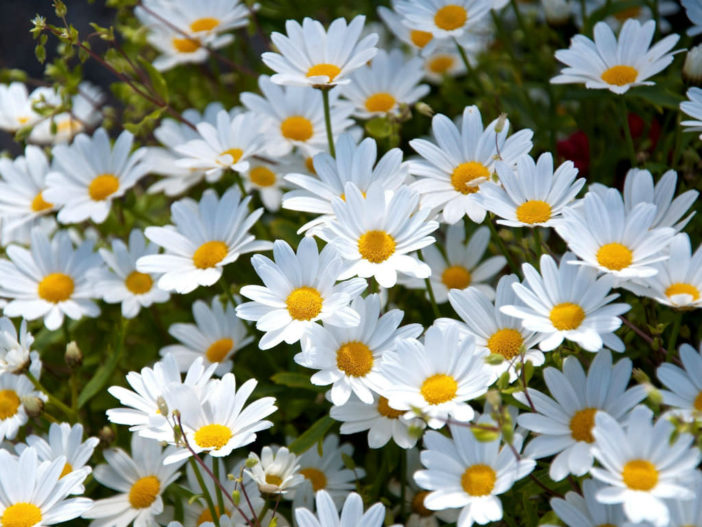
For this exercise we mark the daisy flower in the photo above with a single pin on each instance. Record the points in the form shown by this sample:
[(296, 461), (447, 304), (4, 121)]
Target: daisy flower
[(444, 18), (299, 289), (15, 350), (16, 105), (585, 511), (377, 234), (615, 64), (693, 107), (50, 280), (216, 336), (435, 378), (619, 242), (228, 144), (494, 331), (444, 62), (123, 284), (419, 41), (268, 179), (352, 514), (452, 171), (350, 358), (34, 492), (13, 415), (90, 173), (568, 302), (693, 10), (207, 235), (388, 82), (564, 424), (637, 472), (139, 479), (296, 116), (312, 56), (684, 393), (464, 472), (276, 471), (534, 195)]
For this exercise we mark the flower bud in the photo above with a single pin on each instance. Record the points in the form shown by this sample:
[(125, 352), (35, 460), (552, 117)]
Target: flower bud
[(424, 109), (251, 461), (692, 68), (501, 121), (33, 405), (106, 435), (162, 406), (73, 355)]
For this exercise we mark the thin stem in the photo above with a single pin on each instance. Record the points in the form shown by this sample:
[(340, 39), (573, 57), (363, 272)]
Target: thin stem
[(674, 336), (227, 290), (52, 400), (518, 15), (430, 290), (464, 58), (524, 386), (205, 491), (503, 248), (218, 491), (627, 133), (538, 242), (327, 120)]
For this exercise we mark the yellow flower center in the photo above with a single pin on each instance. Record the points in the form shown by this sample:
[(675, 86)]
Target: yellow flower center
[(262, 176), (450, 17), (330, 70), (465, 173), (21, 515), (56, 287), (144, 492), (304, 303), (534, 211), (418, 504), (354, 358), (212, 436), (274, 479), (566, 316), (186, 45), (388, 411), (67, 469), (439, 388), (456, 277), (441, 64), (23, 119), (698, 402), (380, 102), (297, 128), (219, 349), (39, 204), (206, 515), (236, 154), (376, 246), (204, 24), (138, 283), (506, 342), (478, 480), (680, 288), (103, 186), (420, 38), (309, 164), (582, 423), (614, 256), (639, 474), (69, 125), (316, 477), (210, 254), (620, 75), (9, 403)]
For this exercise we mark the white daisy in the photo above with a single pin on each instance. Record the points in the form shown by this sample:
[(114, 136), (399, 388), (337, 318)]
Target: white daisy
[(350, 358), (451, 173), (216, 336), (276, 471), (534, 195), (123, 284), (352, 514), (267, 178), (638, 473), (13, 415), (612, 63), (693, 10), (564, 424), (445, 62), (444, 18), (612, 240), (568, 302), (16, 105), (585, 511), (312, 56), (435, 378), (684, 393), (416, 39), (206, 236), (15, 350), (299, 290), (693, 107), (197, 511), (50, 280)]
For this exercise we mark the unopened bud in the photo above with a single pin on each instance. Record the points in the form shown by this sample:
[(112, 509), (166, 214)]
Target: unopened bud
[(494, 359), (177, 434), (33, 405), (557, 11), (654, 395), (106, 435), (424, 109), (251, 461), (236, 497), (415, 431), (484, 435), (162, 406), (692, 68), (640, 376), (273, 522), (73, 355), (501, 122), (492, 397)]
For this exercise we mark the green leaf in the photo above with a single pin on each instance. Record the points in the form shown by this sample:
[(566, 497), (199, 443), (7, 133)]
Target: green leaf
[(293, 380), (157, 80), (659, 96), (313, 434), (102, 376)]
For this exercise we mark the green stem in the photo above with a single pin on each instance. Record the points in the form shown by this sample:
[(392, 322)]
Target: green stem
[(674, 336), (518, 15), (327, 121), (538, 242), (52, 400), (464, 58), (627, 133), (430, 290), (205, 491), (227, 290), (239, 183), (503, 248), (218, 491)]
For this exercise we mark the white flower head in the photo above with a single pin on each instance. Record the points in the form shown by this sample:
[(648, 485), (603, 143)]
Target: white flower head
[(585, 511), (15, 349), (684, 385), (444, 19), (693, 108), (276, 471), (352, 514), (13, 414)]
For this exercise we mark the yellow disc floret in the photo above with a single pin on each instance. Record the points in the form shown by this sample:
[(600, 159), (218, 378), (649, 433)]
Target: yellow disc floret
[(534, 211), (304, 303), (380, 102), (478, 480), (566, 316), (506, 342), (262, 176), (640, 474), (274, 479), (582, 423), (464, 174), (138, 283), (219, 349), (204, 24), (450, 17), (144, 492), (21, 514), (67, 469), (212, 436), (210, 254), (439, 388), (376, 246), (103, 186), (614, 256), (420, 38), (316, 477), (440, 64), (39, 204), (9, 403), (186, 45), (388, 411), (620, 75), (236, 154), (354, 358), (56, 287), (456, 277), (680, 288), (297, 128), (330, 70)]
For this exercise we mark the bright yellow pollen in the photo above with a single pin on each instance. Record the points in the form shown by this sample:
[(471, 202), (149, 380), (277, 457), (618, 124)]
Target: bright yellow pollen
[(212, 436), (273, 479), (614, 256), (138, 283), (420, 38), (698, 402), (534, 211), (439, 388), (566, 316), (67, 469), (582, 423), (639, 474), (21, 515), (9, 403), (354, 358), (103, 186), (441, 64), (456, 277), (22, 120), (465, 173), (388, 411), (219, 349), (330, 70), (186, 45), (478, 480), (56, 287), (297, 128), (380, 102), (680, 288), (620, 75), (506, 342), (304, 303), (376, 246), (204, 24), (316, 477), (418, 504), (236, 154), (144, 492), (309, 164), (450, 17), (262, 176), (39, 204), (206, 515), (210, 254), (69, 125)]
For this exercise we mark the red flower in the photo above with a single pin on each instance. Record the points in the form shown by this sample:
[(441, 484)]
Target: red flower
[(637, 128), (576, 148)]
